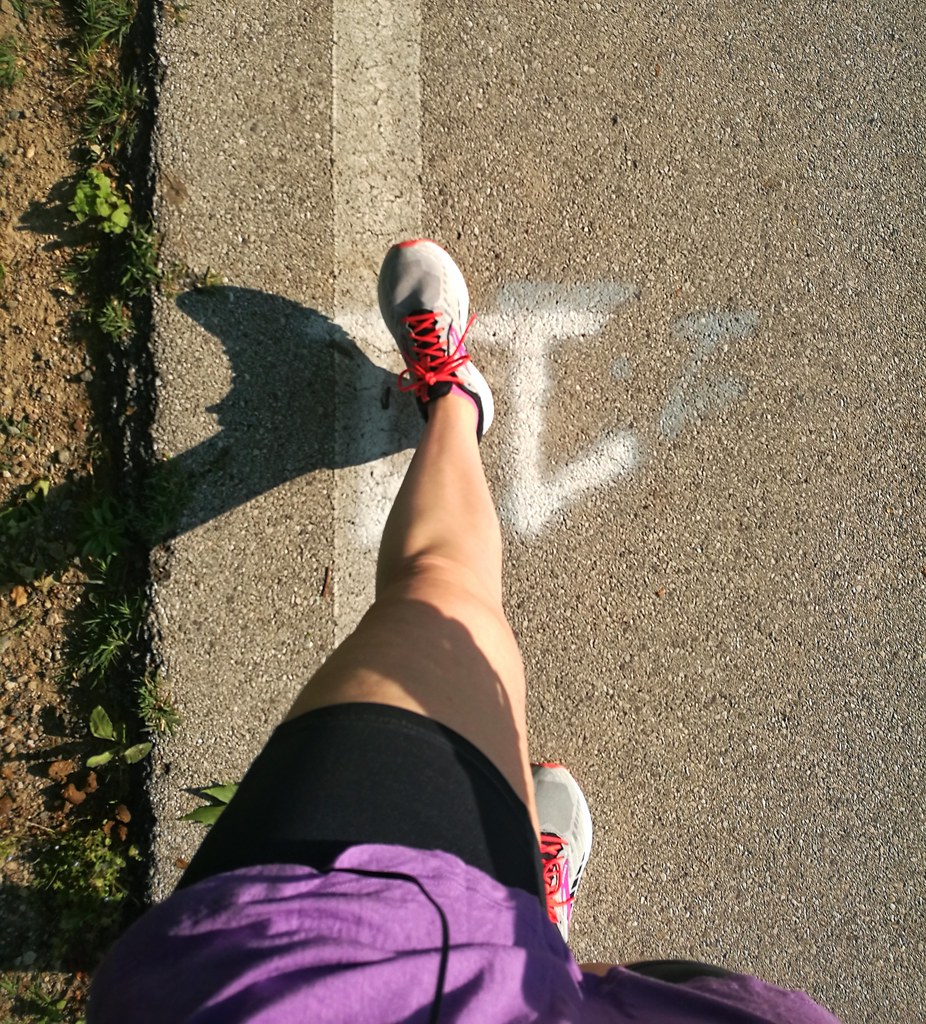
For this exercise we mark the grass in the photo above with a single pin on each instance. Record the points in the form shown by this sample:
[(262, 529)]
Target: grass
[(23, 8), (140, 263), (28, 547), (104, 531), (82, 874), (107, 634), (157, 709), (83, 870), (110, 112), (164, 500), (115, 320), (101, 22), (10, 61), (33, 1004)]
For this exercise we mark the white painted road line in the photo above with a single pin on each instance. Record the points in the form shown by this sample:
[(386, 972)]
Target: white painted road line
[(376, 144), (531, 320)]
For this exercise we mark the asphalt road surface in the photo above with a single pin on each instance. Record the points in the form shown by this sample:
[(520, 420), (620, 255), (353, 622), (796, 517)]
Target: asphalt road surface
[(693, 234)]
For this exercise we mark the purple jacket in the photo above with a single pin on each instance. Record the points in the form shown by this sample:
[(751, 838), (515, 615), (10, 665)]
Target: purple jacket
[(393, 934)]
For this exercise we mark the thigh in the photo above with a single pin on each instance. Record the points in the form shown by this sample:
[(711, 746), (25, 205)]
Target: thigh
[(357, 773), (431, 647)]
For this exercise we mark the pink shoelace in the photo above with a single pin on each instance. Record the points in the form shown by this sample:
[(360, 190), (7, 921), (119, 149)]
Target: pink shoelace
[(555, 874), (432, 363)]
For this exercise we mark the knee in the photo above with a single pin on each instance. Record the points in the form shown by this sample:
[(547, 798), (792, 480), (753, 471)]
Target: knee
[(443, 583)]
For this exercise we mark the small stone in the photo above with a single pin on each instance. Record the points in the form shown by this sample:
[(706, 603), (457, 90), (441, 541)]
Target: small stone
[(64, 457), (123, 814), (30, 152), (6, 806), (86, 376), (28, 958), (58, 771), (73, 795)]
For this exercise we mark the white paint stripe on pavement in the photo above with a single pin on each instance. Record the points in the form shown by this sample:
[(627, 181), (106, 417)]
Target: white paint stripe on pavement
[(376, 143)]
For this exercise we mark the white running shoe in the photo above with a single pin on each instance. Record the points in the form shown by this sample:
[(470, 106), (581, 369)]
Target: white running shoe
[(425, 302), (565, 838)]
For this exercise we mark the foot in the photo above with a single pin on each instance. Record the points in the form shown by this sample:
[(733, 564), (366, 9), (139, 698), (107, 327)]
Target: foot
[(425, 303), (565, 838)]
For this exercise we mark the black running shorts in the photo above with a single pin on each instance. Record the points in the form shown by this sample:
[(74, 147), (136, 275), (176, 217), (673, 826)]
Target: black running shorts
[(370, 773)]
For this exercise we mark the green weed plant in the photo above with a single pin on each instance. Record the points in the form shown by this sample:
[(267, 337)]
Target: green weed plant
[(109, 118), (156, 706), (103, 728), (97, 202), (218, 797), (108, 634), (99, 22), (33, 1005), (83, 872)]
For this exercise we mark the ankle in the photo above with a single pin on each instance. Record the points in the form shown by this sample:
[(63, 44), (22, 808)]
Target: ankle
[(455, 406)]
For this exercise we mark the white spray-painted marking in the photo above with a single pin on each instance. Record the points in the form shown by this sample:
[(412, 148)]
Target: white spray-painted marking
[(696, 392), (376, 132), (532, 321)]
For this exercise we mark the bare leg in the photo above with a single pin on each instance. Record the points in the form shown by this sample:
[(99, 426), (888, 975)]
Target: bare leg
[(436, 640)]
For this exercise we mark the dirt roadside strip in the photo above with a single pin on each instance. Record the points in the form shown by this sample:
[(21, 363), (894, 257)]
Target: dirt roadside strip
[(77, 262)]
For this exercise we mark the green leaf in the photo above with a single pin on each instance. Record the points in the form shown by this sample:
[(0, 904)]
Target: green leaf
[(134, 754), (38, 490), (119, 219), (223, 793), (101, 724), (100, 182), (204, 815), (98, 760)]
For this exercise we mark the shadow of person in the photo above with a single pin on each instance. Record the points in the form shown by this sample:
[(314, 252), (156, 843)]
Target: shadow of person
[(51, 216), (292, 368)]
